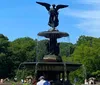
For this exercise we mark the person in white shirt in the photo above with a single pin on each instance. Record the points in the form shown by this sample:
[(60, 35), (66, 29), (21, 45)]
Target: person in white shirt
[(42, 81)]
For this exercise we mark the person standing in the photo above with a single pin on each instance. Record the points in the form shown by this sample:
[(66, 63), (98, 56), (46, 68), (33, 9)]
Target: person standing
[(42, 81)]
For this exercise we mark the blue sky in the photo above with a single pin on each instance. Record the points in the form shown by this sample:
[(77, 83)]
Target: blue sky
[(25, 18)]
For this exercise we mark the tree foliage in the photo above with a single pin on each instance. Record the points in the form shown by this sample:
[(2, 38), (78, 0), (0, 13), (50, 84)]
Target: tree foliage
[(66, 49), (87, 52), (23, 49), (5, 60)]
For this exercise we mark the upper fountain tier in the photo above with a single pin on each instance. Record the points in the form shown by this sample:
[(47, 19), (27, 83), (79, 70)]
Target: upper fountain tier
[(53, 34)]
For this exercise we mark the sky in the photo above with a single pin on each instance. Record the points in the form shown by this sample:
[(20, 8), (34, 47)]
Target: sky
[(25, 18)]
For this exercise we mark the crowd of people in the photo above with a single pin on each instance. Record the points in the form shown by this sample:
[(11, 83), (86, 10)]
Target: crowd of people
[(32, 81), (90, 81)]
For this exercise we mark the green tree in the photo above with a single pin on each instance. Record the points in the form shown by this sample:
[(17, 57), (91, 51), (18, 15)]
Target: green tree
[(87, 52), (5, 60), (23, 50), (66, 49)]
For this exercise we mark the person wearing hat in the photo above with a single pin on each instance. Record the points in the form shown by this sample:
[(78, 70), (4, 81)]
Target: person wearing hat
[(42, 81)]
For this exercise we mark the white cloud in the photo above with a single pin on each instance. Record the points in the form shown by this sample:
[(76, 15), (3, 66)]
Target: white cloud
[(92, 3), (89, 1), (90, 26), (89, 19), (85, 14)]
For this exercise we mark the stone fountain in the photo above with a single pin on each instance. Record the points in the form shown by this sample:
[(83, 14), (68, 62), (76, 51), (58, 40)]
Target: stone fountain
[(52, 66)]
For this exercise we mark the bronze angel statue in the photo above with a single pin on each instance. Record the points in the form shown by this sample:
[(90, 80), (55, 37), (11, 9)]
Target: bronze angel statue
[(53, 11)]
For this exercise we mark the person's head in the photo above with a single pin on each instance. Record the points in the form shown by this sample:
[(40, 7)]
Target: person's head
[(41, 77), (53, 5)]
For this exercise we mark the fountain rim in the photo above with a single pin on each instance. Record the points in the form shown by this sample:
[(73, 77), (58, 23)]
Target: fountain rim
[(56, 34), (69, 66)]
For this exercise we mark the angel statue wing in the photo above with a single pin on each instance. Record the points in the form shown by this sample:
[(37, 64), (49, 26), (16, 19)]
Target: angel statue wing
[(60, 6), (45, 5)]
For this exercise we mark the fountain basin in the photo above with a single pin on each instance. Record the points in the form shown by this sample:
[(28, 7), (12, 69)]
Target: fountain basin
[(52, 66), (54, 34)]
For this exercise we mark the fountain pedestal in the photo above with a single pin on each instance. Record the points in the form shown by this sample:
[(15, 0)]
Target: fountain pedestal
[(53, 47)]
